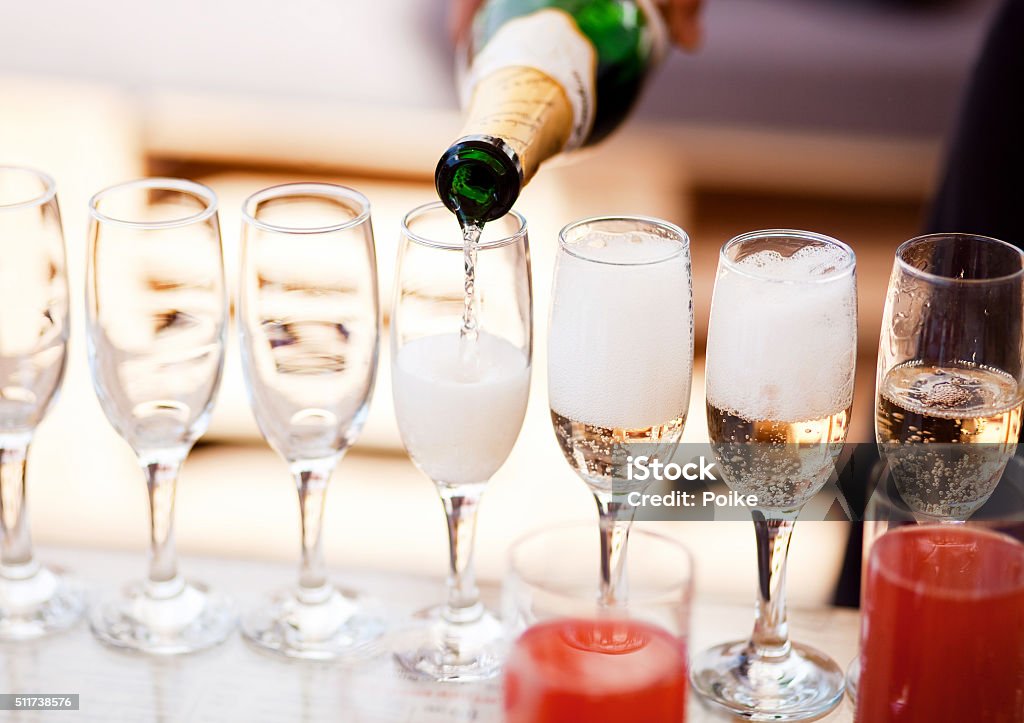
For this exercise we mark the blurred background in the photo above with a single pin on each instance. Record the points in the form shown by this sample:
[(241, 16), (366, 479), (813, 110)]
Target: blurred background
[(829, 115)]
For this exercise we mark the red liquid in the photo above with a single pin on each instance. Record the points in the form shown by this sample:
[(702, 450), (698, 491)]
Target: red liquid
[(596, 671), (942, 628)]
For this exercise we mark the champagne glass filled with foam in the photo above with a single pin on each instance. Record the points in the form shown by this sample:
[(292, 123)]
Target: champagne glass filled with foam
[(782, 344), (620, 360)]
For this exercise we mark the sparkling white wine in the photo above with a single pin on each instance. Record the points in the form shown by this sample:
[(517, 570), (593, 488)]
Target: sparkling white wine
[(460, 421), (599, 454), (471, 303), (781, 354), (947, 432), (782, 463)]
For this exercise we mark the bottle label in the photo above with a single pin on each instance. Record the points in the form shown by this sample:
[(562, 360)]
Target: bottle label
[(550, 42), (527, 109)]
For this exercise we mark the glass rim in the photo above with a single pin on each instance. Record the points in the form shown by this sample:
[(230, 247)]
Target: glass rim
[(681, 237), (48, 192), (588, 528), (181, 185), (426, 208), (323, 190), (897, 577), (940, 278), (839, 272)]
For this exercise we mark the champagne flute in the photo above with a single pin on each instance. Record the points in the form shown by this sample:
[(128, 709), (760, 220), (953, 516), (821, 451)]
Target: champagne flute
[(309, 320), (950, 383), (34, 324), (620, 359), (461, 345), (782, 346), (157, 309)]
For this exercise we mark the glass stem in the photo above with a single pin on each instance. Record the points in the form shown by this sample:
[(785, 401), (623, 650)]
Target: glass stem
[(616, 518), (460, 507), (15, 536), (161, 484), (770, 639), (311, 479)]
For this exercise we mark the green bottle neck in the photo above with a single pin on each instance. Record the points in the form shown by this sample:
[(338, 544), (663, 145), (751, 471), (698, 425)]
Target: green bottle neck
[(479, 178)]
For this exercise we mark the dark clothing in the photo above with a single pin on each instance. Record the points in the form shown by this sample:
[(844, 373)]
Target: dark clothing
[(982, 188)]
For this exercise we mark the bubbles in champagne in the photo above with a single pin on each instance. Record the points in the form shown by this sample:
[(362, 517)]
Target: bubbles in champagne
[(783, 464), (783, 338), (947, 433), (471, 302), (620, 354)]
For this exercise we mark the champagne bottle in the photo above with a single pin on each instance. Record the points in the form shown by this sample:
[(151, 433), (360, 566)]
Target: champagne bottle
[(543, 77)]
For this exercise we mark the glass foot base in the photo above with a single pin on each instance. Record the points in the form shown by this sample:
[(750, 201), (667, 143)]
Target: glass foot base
[(853, 678), (193, 619), (329, 629), (442, 651), (41, 603), (804, 685)]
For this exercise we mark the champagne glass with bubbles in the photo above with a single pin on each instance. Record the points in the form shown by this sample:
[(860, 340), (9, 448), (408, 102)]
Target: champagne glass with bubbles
[(782, 346), (950, 385), (157, 314), (461, 345), (309, 320), (34, 600), (620, 359)]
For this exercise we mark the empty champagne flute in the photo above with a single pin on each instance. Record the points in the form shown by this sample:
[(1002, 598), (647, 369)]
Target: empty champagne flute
[(461, 346), (950, 384), (34, 324), (157, 311), (620, 359), (782, 347), (309, 324)]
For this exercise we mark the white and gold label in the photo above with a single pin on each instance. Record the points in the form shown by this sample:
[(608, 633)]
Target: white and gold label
[(549, 42)]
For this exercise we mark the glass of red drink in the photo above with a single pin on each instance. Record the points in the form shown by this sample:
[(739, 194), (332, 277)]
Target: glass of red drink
[(577, 657), (942, 627)]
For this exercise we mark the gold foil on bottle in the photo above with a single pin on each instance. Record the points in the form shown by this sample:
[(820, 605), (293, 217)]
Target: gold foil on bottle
[(527, 109)]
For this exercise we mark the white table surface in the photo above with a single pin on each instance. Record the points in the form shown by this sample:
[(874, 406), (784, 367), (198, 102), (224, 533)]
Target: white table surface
[(234, 682)]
